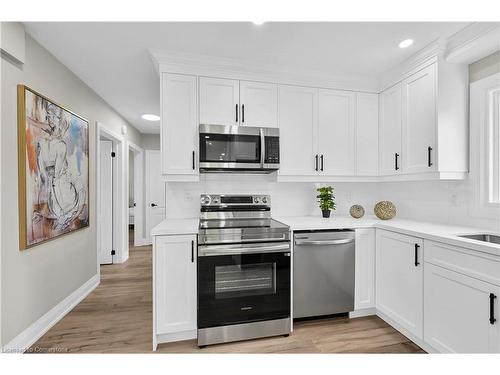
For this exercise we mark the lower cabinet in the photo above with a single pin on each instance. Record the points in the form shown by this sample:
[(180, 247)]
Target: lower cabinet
[(174, 288), (399, 280), (364, 289)]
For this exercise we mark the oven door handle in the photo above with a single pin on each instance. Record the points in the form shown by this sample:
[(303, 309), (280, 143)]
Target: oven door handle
[(324, 242), (204, 251)]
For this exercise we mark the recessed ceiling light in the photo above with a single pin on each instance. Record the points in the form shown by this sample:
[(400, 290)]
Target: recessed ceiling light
[(150, 117), (258, 23), (406, 43)]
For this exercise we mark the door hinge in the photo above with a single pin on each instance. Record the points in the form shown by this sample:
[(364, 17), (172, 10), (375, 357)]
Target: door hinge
[(113, 252), (113, 154)]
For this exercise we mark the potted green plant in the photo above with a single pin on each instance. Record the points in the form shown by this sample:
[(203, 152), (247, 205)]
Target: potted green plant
[(326, 200)]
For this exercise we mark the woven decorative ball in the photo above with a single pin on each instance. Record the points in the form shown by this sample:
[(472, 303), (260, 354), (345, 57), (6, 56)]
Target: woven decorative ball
[(385, 210), (357, 211)]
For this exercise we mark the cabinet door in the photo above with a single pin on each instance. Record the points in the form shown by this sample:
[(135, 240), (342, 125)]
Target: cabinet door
[(399, 281), (219, 101), (179, 124), (457, 312), (259, 104), (364, 289), (366, 134), (298, 119), (390, 131), (419, 121), (175, 283), (336, 133)]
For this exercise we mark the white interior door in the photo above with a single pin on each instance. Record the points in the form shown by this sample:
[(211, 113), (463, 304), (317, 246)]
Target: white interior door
[(106, 202), (155, 192)]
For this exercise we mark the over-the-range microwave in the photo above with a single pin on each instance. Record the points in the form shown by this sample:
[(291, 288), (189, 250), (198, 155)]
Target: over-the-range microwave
[(238, 149)]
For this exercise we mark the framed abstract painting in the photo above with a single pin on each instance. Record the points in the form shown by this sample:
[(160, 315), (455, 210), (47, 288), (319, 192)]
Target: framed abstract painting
[(53, 156)]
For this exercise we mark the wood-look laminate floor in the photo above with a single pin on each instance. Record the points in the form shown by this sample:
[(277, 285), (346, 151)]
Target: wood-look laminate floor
[(117, 318)]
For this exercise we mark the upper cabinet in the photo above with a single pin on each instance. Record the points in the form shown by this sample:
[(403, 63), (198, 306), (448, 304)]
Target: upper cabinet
[(424, 125), (298, 118), (336, 132), (233, 102), (219, 101), (179, 126), (259, 104), (390, 131), (366, 134), (419, 120)]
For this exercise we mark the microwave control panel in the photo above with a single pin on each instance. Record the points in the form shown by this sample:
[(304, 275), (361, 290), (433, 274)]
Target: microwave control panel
[(272, 150)]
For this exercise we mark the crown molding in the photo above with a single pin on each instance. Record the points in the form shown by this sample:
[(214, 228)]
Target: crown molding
[(472, 43), (204, 65)]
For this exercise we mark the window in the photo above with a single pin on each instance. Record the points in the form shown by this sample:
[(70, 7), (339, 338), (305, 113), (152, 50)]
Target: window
[(485, 146)]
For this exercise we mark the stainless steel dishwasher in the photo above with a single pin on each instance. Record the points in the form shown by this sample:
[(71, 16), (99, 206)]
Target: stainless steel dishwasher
[(323, 273)]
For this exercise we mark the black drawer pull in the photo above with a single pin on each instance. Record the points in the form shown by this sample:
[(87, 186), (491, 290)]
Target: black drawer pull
[(236, 112), (243, 113), (321, 158), (429, 161), (194, 163), (396, 156), (417, 246), (492, 308), (192, 251), (316, 162)]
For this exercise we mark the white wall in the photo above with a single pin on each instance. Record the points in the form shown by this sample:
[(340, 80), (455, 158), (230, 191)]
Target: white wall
[(150, 141), (485, 67), (35, 280)]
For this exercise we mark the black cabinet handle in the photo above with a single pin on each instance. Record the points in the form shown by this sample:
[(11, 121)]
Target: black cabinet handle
[(396, 156), (236, 112), (429, 161), (192, 251), (194, 163), (417, 246), (321, 158), (243, 113), (492, 308), (316, 162), (153, 205)]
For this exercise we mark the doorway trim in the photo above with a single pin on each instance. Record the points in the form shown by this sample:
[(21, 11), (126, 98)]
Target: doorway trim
[(139, 222), (120, 198)]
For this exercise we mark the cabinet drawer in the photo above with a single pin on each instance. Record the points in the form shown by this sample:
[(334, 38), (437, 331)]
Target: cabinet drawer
[(468, 262)]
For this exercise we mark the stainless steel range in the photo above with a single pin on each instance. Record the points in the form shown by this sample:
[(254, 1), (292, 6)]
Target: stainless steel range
[(243, 270)]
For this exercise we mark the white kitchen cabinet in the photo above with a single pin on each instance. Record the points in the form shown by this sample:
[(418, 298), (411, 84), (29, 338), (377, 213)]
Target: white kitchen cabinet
[(366, 134), (399, 280), (419, 121), (364, 283), (457, 312), (179, 126), (298, 119), (259, 104), (219, 101), (390, 131), (175, 307), (335, 137)]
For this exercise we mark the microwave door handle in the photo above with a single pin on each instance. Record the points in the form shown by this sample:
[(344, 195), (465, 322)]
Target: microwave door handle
[(262, 147)]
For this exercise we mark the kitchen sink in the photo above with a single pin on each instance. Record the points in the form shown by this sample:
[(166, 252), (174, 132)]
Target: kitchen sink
[(483, 237)]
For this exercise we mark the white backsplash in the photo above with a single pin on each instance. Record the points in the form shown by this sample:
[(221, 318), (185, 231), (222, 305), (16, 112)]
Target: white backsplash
[(434, 201)]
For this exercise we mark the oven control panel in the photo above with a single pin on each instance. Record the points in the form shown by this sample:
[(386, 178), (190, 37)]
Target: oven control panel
[(234, 200)]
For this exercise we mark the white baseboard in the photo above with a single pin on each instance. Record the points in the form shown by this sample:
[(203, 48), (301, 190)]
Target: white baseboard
[(30, 335), (175, 336), (362, 312)]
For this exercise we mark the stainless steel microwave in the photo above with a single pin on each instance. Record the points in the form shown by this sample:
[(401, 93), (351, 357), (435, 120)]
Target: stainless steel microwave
[(238, 149)]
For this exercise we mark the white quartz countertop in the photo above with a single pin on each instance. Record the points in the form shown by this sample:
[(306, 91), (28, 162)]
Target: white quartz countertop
[(431, 231), (170, 227)]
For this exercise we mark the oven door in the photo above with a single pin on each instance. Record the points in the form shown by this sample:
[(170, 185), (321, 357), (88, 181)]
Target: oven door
[(243, 283), (227, 147)]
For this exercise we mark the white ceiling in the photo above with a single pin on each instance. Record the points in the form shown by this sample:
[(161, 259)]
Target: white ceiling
[(113, 58)]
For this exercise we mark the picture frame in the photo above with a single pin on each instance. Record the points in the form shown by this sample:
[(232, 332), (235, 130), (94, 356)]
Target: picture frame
[(53, 169)]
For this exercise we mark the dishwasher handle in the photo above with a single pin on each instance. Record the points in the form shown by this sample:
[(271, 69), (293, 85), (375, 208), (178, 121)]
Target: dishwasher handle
[(324, 242)]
